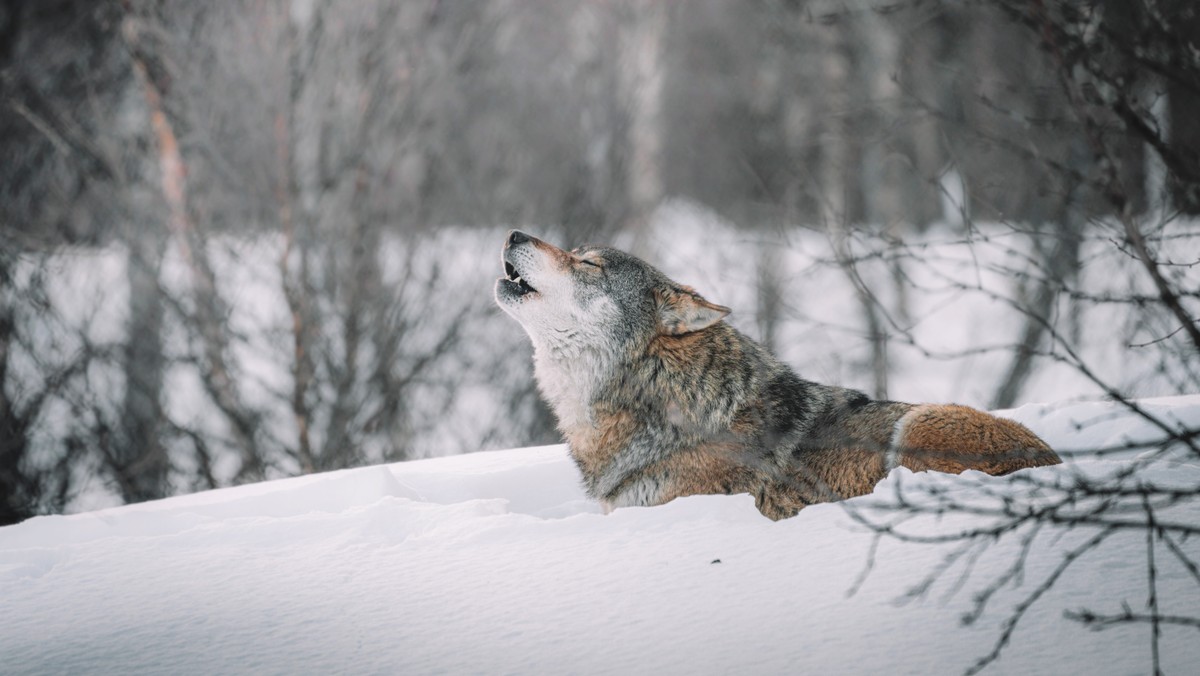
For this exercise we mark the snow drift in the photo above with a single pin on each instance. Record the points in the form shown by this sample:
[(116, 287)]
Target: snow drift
[(496, 563)]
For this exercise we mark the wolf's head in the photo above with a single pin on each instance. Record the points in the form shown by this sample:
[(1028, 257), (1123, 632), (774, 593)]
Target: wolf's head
[(594, 298)]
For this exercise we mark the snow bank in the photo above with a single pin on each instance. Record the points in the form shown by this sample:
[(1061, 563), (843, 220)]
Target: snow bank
[(496, 563)]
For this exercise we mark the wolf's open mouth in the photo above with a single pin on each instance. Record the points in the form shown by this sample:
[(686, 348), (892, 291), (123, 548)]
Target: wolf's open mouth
[(511, 273)]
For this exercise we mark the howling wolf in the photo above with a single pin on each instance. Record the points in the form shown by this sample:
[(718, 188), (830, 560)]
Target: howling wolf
[(659, 398)]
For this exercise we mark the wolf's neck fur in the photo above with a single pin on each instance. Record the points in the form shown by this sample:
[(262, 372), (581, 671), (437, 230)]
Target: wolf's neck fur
[(569, 378)]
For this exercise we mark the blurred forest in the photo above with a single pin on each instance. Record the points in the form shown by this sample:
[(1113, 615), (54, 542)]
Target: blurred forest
[(345, 147)]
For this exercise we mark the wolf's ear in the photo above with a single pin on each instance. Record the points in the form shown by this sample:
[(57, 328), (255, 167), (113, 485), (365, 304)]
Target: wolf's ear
[(681, 310)]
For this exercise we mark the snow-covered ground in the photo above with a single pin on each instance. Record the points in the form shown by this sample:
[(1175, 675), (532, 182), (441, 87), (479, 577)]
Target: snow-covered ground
[(496, 563)]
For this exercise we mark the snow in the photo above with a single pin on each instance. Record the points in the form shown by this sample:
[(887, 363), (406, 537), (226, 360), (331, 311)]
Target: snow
[(495, 562)]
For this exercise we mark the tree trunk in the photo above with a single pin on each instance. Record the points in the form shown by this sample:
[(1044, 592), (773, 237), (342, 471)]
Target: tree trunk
[(1060, 263), (836, 74), (642, 82), (141, 460), (16, 503), (209, 313), (1183, 111), (770, 293)]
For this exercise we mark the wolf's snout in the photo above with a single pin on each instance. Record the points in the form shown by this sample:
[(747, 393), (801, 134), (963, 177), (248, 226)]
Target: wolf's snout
[(517, 263), (516, 237)]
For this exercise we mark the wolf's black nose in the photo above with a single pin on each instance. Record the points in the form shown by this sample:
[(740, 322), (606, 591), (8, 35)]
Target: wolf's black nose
[(516, 237)]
